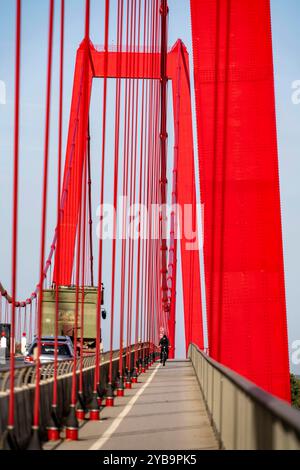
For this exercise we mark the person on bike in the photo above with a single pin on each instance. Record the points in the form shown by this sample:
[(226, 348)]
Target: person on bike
[(164, 345)]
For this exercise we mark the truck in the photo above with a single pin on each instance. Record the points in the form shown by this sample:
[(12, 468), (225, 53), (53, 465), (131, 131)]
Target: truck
[(67, 312)]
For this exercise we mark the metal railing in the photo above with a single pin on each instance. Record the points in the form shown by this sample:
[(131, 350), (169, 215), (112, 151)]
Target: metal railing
[(244, 416), (25, 376), (24, 386)]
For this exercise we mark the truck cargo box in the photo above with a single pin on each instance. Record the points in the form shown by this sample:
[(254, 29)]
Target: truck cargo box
[(67, 311)]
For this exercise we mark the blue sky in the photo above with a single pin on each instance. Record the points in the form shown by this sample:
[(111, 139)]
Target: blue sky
[(285, 23)]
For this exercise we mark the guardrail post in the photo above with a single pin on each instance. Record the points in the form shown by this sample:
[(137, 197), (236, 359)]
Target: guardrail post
[(53, 428), (110, 397), (80, 409), (120, 387), (72, 425), (94, 411)]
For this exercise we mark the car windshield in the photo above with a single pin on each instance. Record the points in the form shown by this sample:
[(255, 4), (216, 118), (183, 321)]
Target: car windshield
[(49, 348)]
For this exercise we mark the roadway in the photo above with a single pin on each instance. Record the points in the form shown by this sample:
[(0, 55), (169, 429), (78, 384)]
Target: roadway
[(164, 411), (19, 362)]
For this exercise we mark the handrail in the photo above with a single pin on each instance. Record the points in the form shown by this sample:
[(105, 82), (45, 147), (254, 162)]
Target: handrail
[(237, 406), (25, 384), (25, 376)]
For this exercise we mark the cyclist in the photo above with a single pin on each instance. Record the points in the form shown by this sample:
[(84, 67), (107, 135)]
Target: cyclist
[(164, 346)]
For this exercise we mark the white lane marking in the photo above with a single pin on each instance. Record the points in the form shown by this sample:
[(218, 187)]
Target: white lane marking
[(117, 421)]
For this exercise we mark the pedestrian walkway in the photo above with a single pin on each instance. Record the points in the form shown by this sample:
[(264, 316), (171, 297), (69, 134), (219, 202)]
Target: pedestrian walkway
[(164, 411)]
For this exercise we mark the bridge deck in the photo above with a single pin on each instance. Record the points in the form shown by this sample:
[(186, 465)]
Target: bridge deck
[(163, 411)]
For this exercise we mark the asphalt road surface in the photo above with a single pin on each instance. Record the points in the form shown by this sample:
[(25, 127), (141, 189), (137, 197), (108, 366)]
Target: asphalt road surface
[(19, 362)]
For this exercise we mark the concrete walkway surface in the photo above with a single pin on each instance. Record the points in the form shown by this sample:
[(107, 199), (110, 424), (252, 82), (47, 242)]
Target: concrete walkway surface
[(164, 411)]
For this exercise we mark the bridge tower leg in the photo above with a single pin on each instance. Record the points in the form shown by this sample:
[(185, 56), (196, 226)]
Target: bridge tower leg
[(186, 200), (243, 255), (74, 164)]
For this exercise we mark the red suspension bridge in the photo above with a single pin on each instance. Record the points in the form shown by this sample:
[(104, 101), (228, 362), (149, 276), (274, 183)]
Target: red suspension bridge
[(246, 365)]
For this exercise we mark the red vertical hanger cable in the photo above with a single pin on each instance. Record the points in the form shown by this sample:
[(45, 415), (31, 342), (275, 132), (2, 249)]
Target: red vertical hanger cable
[(44, 214), (83, 272), (124, 194), (91, 256), (132, 190), (104, 122), (59, 170), (15, 209), (82, 138), (146, 146), (138, 287)]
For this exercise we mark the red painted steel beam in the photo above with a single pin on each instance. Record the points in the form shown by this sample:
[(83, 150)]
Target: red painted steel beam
[(74, 163), (243, 255), (146, 64)]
